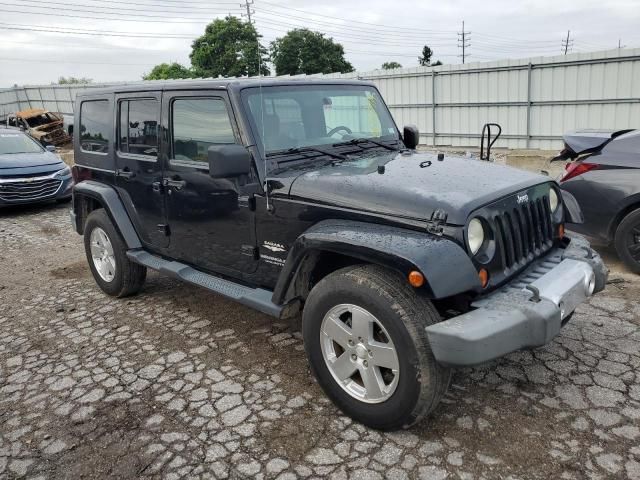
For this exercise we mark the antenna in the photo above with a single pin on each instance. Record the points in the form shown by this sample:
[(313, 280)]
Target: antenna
[(264, 148)]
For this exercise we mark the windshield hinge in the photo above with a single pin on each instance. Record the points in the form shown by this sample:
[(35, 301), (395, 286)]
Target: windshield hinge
[(437, 222)]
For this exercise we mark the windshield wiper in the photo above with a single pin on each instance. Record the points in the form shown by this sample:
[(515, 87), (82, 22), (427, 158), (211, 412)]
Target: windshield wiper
[(295, 150), (358, 141)]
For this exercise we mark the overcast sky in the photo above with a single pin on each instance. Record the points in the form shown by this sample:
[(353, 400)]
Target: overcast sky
[(372, 31)]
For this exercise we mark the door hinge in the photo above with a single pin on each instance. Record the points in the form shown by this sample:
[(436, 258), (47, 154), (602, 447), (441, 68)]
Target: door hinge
[(163, 228), (437, 222)]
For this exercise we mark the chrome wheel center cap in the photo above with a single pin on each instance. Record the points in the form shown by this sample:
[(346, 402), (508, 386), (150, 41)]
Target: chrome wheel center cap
[(361, 351)]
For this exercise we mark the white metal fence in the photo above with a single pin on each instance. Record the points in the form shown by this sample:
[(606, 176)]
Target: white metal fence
[(535, 100)]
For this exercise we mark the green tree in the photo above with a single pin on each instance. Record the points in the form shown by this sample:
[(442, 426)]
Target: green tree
[(73, 80), (167, 71), (229, 48), (304, 51), (425, 58), (390, 65)]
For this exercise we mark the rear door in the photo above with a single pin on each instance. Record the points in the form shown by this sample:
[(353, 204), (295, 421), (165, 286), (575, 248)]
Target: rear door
[(139, 173), (210, 219)]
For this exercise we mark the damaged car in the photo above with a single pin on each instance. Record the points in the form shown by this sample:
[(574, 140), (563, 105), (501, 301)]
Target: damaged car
[(46, 127), (603, 174)]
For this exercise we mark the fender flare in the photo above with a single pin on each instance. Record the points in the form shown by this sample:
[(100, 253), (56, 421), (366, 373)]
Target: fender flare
[(447, 268), (109, 199)]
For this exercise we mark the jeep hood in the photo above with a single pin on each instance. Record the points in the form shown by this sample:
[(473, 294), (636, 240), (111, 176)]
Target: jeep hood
[(409, 185)]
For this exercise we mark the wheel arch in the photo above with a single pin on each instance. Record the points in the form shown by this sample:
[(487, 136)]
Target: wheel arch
[(631, 203), (89, 195), (333, 244)]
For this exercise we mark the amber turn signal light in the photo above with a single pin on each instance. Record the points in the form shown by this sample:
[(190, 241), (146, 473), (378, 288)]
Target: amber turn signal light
[(416, 279), (561, 230), (483, 275)]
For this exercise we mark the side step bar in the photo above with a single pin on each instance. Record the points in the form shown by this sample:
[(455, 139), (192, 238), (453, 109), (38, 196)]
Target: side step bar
[(256, 298)]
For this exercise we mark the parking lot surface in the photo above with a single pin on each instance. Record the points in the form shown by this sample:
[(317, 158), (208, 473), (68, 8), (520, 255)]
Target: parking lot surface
[(180, 383)]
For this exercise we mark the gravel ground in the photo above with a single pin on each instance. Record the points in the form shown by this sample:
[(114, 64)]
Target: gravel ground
[(178, 382)]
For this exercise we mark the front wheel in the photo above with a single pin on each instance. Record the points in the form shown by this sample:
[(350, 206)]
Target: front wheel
[(627, 240), (364, 333)]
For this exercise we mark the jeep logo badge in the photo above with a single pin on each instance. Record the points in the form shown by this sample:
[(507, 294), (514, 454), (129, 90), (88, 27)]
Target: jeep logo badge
[(523, 198)]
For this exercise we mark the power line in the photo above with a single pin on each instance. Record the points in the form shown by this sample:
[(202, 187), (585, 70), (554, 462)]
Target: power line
[(72, 7), (379, 26), (101, 33), (463, 39), (53, 60), (120, 19)]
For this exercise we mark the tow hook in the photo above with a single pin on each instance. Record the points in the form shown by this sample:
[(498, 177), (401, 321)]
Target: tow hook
[(536, 293)]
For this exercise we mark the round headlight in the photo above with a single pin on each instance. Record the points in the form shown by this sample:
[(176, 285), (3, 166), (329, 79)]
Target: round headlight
[(475, 235), (553, 200)]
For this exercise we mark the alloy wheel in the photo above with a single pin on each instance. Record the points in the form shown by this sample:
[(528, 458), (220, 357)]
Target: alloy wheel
[(359, 353)]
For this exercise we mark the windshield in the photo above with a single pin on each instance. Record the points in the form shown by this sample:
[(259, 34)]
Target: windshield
[(18, 143), (299, 116)]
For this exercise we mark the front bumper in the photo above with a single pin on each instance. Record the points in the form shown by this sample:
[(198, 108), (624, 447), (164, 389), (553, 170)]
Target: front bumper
[(23, 193), (527, 312)]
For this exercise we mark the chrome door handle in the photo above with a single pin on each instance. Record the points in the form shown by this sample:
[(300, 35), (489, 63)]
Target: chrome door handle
[(175, 184), (125, 173)]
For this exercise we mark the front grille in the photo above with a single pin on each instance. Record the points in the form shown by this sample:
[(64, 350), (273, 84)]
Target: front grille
[(524, 232), (30, 190)]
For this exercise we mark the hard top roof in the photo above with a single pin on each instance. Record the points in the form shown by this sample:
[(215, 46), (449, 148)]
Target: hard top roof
[(216, 83)]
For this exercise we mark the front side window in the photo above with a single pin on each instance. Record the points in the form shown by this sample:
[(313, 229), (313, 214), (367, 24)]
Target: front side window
[(138, 127), (286, 117), (95, 121), (196, 124)]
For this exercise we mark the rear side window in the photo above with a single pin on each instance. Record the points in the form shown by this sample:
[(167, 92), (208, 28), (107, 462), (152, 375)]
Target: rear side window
[(95, 119), (138, 127), (196, 124)]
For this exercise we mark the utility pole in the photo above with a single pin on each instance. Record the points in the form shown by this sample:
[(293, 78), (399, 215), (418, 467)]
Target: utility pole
[(463, 42), (566, 44), (247, 4), (620, 43)]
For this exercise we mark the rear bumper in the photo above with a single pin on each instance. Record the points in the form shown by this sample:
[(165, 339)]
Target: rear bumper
[(527, 312)]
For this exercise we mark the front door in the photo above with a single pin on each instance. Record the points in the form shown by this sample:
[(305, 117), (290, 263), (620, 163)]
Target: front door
[(139, 173), (210, 220)]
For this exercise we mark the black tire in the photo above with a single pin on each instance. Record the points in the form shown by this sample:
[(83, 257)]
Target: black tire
[(627, 240), (128, 276), (404, 314)]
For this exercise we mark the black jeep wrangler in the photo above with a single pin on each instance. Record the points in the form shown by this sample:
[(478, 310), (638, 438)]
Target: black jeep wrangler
[(303, 196)]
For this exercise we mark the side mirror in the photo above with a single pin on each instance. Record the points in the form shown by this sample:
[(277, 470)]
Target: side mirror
[(411, 136), (228, 160), (50, 148)]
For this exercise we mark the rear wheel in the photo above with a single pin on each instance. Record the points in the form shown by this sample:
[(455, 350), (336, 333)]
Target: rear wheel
[(627, 240), (364, 333), (114, 273)]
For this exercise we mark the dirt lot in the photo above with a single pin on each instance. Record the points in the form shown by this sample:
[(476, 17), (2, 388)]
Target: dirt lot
[(178, 382)]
